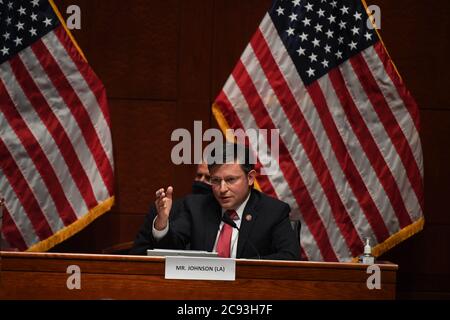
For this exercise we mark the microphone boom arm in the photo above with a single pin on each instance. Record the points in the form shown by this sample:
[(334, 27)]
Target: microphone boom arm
[(226, 219)]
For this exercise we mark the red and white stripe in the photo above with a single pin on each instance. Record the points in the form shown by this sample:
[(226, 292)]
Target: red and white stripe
[(350, 160), (55, 145)]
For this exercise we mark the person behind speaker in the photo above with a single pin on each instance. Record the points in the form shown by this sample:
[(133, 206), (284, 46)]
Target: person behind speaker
[(144, 239), (265, 229)]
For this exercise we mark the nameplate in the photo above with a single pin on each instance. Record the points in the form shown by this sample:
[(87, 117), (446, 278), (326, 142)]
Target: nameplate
[(196, 268)]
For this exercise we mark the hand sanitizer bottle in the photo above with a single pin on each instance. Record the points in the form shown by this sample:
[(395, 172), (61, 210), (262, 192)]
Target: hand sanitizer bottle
[(368, 258)]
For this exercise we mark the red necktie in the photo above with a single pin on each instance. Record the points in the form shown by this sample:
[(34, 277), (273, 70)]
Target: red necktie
[(224, 241)]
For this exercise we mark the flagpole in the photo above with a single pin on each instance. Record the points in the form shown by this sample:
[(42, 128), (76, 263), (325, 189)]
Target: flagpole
[(2, 203)]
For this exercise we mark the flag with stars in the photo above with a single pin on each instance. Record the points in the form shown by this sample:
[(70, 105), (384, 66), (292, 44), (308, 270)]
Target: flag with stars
[(350, 159), (56, 165)]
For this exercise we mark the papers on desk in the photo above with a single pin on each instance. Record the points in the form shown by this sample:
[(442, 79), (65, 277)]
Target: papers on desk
[(183, 253)]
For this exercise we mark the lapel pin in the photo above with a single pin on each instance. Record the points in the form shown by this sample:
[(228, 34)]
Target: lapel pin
[(248, 217)]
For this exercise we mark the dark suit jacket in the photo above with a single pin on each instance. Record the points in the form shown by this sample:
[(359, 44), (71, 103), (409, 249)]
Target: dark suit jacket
[(144, 239), (268, 234)]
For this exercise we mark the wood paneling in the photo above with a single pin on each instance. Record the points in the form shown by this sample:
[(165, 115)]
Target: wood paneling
[(141, 131), (424, 261), (235, 22), (120, 277), (129, 225), (195, 49), (132, 46), (163, 64), (435, 142), (100, 234), (188, 112), (416, 35), (416, 255), (110, 229)]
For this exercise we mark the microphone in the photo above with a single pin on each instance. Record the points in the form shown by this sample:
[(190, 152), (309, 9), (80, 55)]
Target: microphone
[(227, 219)]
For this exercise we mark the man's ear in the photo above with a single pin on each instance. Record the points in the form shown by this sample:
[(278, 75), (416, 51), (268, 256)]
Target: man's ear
[(251, 177)]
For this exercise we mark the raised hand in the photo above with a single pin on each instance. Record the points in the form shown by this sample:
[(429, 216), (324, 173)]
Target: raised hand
[(163, 203)]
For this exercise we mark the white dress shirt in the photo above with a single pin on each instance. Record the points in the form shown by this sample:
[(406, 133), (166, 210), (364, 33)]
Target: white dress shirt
[(159, 234), (235, 234)]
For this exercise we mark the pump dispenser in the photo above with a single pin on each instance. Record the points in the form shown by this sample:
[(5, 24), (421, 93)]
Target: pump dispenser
[(368, 258)]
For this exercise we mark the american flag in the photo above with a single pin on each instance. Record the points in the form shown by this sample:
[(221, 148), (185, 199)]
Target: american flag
[(350, 162), (56, 165)]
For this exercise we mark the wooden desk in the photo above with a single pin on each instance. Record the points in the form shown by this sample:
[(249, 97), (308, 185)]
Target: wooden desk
[(43, 276)]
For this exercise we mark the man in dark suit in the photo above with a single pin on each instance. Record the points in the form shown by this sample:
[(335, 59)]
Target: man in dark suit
[(144, 239), (265, 231)]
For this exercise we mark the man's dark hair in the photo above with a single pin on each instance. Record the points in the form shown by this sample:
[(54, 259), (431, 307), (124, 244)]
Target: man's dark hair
[(232, 152)]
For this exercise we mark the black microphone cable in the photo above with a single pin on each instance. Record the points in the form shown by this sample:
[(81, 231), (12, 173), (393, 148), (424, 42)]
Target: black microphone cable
[(227, 219)]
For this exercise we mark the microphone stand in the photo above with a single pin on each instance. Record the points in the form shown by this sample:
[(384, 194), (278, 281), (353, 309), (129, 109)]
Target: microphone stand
[(226, 219)]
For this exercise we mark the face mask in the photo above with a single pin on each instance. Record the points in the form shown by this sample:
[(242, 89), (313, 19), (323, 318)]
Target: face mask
[(199, 187)]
